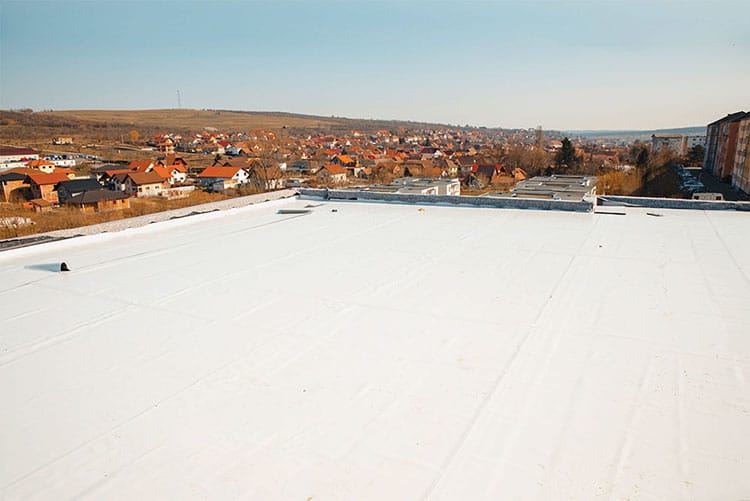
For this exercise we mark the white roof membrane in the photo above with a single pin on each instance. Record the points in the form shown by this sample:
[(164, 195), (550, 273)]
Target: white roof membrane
[(381, 352)]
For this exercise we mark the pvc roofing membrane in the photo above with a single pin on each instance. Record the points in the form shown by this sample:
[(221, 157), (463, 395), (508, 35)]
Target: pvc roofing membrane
[(381, 351)]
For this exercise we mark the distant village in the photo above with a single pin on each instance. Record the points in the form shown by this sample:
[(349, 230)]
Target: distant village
[(530, 163)]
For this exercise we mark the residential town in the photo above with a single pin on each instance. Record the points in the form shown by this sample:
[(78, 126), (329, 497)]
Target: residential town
[(478, 162), (374, 250)]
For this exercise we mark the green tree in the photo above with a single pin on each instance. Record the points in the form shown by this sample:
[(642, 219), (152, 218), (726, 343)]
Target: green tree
[(696, 154), (566, 157), (641, 156)]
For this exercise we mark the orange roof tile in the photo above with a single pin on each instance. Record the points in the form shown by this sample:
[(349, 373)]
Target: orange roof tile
[(163, 172), (65, 170), (111, 173), (20, 170), (42, 178), (219, 172), (334, 169), (345, 159), (145, 177)]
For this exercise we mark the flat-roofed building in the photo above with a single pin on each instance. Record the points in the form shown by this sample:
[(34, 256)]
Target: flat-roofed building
[(436, 186), (555, 187), (11, 158), (350, 350), (671, 141)]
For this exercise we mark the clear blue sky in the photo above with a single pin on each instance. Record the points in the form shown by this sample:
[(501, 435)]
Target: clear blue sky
[(564, 65)]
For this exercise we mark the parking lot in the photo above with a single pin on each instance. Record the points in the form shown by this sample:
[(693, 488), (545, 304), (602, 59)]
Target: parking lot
[(697, 180)]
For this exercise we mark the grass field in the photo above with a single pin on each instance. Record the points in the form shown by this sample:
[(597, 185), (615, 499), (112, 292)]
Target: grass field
[(108, 127), (195, 120), (70, 217), (199, 119)]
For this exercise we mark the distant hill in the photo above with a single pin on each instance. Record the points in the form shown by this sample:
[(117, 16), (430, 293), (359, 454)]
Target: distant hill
[(188, 119), (115, 123), (636, 134)]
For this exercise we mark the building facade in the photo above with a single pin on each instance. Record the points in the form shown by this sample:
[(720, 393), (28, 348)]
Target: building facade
[(721, 143), (671, 141), (741, 169), (16, 157)]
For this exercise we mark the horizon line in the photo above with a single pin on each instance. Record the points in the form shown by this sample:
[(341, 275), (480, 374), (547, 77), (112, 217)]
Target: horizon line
[(337, 117)]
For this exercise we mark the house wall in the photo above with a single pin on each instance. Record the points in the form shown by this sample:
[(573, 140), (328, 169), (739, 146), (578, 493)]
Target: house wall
[(143, 190), (241, 177), (107, 205), (178, 177), (326, 177), (149, 190), (45, 191), (10, 186)]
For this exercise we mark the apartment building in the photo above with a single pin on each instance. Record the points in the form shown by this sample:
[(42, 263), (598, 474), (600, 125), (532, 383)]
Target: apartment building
[(721, 144), (741, 169)]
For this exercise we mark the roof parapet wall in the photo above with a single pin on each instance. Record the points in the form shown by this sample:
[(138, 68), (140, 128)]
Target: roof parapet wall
[(671, 203), (500, 203)]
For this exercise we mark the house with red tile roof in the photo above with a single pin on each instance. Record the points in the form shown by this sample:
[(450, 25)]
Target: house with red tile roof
[(42, 185), (64, 170), (143, 184), (41, 205), (41, 165), (344, 160), (172, 174), (331, 174), (218, 178)]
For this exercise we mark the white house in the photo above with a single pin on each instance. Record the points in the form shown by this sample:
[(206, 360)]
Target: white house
[(143, 184), (217, 175), (332, 173)]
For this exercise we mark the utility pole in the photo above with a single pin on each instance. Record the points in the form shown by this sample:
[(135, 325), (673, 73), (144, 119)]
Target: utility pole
[(179, 101)]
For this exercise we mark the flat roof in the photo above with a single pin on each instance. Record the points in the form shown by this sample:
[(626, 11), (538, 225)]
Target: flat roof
[(381, 351)]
